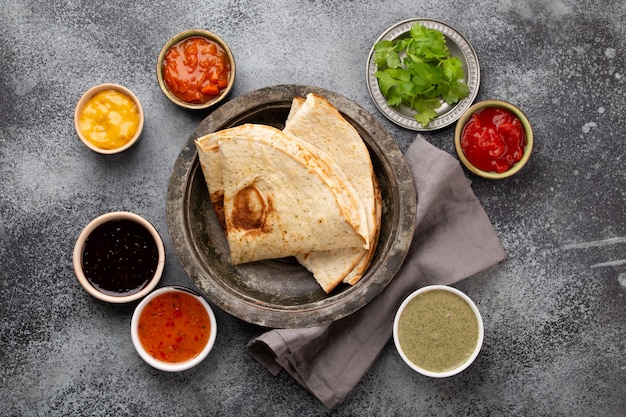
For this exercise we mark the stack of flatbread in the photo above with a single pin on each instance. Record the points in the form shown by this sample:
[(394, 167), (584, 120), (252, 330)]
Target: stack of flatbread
[(307, 191)]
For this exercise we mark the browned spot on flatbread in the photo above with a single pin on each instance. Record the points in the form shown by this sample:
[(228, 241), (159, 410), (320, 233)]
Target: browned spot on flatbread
[(250, 210)]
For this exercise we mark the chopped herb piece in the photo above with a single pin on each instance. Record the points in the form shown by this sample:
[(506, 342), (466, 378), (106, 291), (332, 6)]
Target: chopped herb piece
[(418, 71)]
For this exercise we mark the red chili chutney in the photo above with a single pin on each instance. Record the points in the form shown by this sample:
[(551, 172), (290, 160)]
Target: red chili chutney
[(174, 327), (196, 70), (493, 139)]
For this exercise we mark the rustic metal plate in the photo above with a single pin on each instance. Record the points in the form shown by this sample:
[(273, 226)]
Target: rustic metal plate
[(281, 293), (446, 115)]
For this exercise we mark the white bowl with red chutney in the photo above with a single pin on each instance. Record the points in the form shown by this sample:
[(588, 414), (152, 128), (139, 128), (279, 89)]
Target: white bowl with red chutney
[(173, 329), (438, 331), (108, 118), (119, 257), (196, 69), (494, 139)]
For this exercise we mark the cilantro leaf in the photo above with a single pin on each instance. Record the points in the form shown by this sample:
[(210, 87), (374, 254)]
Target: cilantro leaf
[(453, 68), (385, 82), (428, 44), (418, 71), (426, 110), (395, 97), (386, 55), (456, 92)]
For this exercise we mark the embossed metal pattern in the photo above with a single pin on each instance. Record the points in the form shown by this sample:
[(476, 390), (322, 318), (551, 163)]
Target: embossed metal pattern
[(459, 47)]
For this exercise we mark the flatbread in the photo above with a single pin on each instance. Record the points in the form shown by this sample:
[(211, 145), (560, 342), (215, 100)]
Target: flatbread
[(318, 122), (211, 165), (281, 196)]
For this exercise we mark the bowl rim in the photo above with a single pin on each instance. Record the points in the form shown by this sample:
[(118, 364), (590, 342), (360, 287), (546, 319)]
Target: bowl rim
[(528, 130), (168, 366), (77, 257), (184, 35), (88, 95), (479, 343)]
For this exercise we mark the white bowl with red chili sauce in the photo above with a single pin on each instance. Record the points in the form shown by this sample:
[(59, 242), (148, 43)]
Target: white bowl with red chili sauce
[(494, 139), (119, 257), (196, 69), (173, 329)]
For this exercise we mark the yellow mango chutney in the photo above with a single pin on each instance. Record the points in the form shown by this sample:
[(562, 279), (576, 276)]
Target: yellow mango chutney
[(109, 119), (438, 331)]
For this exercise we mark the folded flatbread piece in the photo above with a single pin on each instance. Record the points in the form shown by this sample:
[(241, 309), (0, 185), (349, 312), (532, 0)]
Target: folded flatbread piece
[(318, 122), (281, 196)]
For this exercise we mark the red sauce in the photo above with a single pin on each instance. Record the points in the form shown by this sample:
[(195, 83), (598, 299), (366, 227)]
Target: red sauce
[(493, 139), (196, 70), (174, 327), (120, 257)]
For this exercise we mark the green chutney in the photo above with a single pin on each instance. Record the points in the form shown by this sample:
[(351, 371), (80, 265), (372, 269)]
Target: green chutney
[(438, 331)]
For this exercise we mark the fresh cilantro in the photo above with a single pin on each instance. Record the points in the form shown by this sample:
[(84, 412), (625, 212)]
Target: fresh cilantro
[(419, 72)]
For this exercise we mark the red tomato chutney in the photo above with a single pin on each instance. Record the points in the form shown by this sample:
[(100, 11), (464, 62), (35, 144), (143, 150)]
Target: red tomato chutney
[(196, 69), (174, 327), (493, 139)]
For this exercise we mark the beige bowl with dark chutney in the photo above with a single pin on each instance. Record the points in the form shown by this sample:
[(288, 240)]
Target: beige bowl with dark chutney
[(438, 331), (119, 257)]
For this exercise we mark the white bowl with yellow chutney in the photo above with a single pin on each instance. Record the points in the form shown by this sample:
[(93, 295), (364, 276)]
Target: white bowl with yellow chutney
[(438, 331), (108, 118)]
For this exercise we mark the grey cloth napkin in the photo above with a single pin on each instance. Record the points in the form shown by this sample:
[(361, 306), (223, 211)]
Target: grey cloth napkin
[(453, 240)]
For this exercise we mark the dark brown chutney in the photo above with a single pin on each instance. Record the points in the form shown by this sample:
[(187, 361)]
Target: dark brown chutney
[(120, 257)]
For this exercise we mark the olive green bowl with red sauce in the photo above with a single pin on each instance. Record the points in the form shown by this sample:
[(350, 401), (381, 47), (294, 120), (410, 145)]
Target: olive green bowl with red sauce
[(196, 69), (493, 139), (173, 329), (119, 257)]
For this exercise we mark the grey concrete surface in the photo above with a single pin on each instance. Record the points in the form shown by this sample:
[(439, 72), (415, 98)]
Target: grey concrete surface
[(554, 311)]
